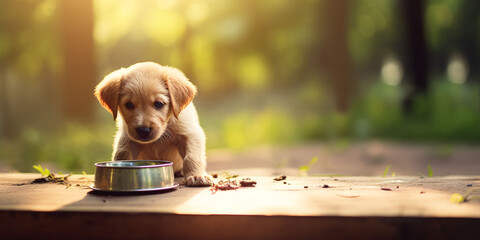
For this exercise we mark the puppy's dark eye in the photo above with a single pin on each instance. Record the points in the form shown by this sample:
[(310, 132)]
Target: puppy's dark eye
[(129, 105), (158, 105)]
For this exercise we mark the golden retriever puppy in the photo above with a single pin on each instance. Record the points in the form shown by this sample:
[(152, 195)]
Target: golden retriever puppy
[(156, 118)]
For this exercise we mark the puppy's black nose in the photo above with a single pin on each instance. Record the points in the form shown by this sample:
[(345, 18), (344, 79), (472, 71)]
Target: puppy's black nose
[(143, 132)]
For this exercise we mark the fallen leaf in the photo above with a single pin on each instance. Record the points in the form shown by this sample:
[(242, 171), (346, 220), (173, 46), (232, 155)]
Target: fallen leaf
[(247, 182), (457, 198), (280, 178)]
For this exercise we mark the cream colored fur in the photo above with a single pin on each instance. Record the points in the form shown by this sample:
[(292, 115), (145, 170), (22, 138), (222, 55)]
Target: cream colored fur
[(176, 134)]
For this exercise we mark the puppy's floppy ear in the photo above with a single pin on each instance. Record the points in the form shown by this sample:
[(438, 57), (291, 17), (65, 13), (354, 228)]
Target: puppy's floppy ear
[(108, 89), (181, 90)]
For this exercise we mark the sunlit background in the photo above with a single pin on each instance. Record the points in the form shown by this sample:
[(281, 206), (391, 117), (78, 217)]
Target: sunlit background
[(269, 72)]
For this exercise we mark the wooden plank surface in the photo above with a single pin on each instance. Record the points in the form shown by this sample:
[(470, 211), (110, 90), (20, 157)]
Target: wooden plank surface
[(117, 225), (297, 208), (296, 196)]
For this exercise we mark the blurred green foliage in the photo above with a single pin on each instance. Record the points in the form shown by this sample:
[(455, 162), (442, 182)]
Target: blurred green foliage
[(449, 111), (73, 147), (259, 70)]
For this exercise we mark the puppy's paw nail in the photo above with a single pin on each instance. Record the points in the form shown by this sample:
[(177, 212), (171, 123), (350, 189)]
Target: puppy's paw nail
[(198, 181)]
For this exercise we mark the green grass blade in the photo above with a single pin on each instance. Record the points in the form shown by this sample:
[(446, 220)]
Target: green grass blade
[(304, 168), (47, 172), (386, 170), (38, 168)]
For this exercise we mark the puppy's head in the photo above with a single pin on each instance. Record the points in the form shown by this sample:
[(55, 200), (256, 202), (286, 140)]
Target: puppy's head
[(147, 95)]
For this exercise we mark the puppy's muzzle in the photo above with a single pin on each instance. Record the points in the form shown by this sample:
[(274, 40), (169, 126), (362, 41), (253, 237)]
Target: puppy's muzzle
[(143, 132)]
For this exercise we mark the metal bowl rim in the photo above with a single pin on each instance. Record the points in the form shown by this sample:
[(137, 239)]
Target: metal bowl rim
[(161, 163), (173, 186)]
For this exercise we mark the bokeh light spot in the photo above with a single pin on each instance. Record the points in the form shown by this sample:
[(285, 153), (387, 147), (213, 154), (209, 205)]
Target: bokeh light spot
[(392, 71), (253, 72), (165, 27), (457, 69), (366, 26)]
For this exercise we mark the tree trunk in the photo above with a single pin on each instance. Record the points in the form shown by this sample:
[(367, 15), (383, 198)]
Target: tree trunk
[(416, 61), (336, 47), (78, 81), (6, 127), (466, 36)]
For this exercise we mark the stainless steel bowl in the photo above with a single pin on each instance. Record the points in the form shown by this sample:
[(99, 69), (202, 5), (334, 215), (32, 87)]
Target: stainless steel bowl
[(134, 176)]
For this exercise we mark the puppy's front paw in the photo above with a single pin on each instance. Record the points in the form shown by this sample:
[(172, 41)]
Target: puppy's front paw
[(198, 180)]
